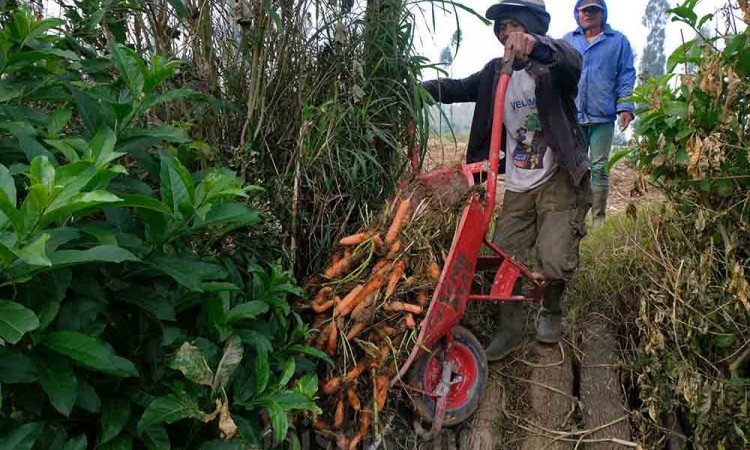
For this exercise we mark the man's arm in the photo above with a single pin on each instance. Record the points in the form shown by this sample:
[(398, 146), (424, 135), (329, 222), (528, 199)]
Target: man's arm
[(625, 77), (447, 90), (564, 62)]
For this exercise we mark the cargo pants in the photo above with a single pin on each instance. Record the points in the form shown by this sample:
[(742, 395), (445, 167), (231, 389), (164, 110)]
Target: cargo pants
[(549, 220)]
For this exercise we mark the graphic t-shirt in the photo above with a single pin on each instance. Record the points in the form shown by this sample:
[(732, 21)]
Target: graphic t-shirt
[(529, 161)]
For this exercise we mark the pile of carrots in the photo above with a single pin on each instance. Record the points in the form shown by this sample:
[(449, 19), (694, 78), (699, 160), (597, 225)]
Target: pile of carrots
[(368, 303)]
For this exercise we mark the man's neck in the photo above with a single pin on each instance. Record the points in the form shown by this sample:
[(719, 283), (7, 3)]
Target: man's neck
[(593, 32)]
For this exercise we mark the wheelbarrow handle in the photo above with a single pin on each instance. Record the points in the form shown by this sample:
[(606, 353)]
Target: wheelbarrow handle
[(497, 132)]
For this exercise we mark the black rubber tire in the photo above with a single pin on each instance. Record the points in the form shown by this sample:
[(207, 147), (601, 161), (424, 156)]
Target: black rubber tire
[(425, 406)]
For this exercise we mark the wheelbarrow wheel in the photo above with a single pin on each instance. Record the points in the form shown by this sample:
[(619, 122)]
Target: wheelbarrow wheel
[(463, 399)]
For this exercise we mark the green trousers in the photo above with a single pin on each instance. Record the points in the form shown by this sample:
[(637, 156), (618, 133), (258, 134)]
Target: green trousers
[(599, 143), (550, 221)]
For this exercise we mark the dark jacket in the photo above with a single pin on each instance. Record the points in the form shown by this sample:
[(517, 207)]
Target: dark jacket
[(556, 68)]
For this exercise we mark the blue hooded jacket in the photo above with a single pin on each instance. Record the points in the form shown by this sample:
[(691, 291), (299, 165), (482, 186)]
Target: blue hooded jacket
[(608, 74)]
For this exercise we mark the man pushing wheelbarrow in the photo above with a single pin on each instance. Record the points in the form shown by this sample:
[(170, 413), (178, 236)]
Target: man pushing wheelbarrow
[(547, 188)]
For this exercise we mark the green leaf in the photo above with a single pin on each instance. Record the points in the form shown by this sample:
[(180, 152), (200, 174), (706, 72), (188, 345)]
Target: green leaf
[(170, 95), (16, 368), (180, 8), (685, 13), (23, 437), (617, 156), (228, 216), (724, 340), (67, 150), (262, 372), (161, 69), (77, 443), (177, 189), (121, 443), (190, 361), (9, 90), (8, 185), (186, 270), (100, 253), (156, 438), (89, 352), (247, 310), (309, 351), (61, 212), (15, 321), (279, 421), (59, 382), (26, 136), (169, 409), (115, 415), (142, 201), (287, 374), (87, 398), (58, 120), (233, 352), (35, 254), (130, 67), (95, 114), (100, 150)]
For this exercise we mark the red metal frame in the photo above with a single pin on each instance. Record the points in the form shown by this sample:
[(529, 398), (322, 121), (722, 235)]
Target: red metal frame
[(453, 291)]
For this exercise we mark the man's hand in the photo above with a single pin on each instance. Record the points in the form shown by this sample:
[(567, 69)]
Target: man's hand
[(521, 43), (625, 118)]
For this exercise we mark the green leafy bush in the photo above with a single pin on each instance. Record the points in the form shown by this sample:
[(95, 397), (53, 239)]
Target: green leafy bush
[(695, 308), (127, 320)]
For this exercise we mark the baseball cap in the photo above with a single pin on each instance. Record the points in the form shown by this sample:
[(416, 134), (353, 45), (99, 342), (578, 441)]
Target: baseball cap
[(590, 4)]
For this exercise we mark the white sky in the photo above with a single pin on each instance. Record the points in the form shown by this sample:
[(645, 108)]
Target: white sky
[(480, 45)]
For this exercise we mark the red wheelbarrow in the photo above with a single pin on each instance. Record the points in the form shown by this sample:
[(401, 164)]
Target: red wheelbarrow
[(448, 379)]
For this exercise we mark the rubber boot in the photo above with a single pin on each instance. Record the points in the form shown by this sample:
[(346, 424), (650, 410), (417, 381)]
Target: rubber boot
[(599, 208), (509, 335), (549, 328)]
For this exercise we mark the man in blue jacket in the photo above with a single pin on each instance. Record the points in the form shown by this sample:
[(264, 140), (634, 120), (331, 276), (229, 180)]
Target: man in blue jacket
[(607, 78)]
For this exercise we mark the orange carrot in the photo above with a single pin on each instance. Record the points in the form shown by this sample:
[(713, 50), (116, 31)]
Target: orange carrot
[(373, 285), (383, 352), (355, 441), (336, 258), (322, 307), (355, 372), (434, 272), (342, 442), (354, 402), (378, 241), (381, 391), (409, 322), (354, 239), (338, 417), (332, 386), (422, 298), (364, 427), (321, 295), (398, 222), (393, 251), (396, 275), (401, 306), (340, 267), (348, 301), (380, 265), (319, 425), (333, 333), (355, 331)]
